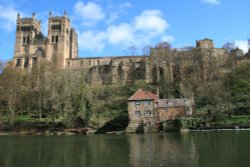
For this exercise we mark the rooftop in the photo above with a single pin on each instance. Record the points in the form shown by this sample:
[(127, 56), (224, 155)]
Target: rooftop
[(174, 102), (143, 95)]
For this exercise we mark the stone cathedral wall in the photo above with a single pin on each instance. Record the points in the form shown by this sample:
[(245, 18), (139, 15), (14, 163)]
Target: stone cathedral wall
[(61, 46), (113, 70)]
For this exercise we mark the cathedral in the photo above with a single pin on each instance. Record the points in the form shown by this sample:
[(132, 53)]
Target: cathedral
[(61, 46), (31, 45)]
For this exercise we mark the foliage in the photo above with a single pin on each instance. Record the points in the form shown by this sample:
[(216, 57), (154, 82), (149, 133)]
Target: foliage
[(232, 121), (1, 66), (238, 82), (11, 90), (49, 94)]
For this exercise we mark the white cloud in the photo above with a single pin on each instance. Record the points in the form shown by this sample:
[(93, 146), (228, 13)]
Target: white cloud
[(112, 17), (114, 12), (8, 16), (125, 5), (241, 44), (214, 2), (89, 12), (151, 21), (141, 31), (121, 34), (91, 40), (148, 25), (167, 38)]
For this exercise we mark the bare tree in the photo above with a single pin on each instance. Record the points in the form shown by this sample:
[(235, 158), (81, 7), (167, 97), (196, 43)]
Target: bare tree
[(10, 88), (249, 43), (165, 45), (146, 50), (229, 46), (131, 50), (1, 66)]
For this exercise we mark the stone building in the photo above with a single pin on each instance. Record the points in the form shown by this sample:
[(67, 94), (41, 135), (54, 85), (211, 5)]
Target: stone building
[(32, 46), (146, 111), (174, 108), (142, 112), (112, 70), (61, 47)]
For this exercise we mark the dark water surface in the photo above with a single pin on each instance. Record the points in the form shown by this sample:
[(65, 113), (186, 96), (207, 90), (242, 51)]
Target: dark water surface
[(194, 149)]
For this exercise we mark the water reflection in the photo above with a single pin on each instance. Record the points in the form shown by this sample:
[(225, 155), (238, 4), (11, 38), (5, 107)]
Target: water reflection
[(71, 151), (162, 150), (215, 149)]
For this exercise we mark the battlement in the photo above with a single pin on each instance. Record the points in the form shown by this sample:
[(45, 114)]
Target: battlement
[(64, 16), (205, 44)]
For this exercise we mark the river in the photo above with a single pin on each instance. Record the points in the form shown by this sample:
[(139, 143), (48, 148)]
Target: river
[(193, 149)]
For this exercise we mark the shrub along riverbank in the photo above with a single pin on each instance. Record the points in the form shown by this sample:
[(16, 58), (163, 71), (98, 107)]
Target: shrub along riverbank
[(32, 126), (221, 121)]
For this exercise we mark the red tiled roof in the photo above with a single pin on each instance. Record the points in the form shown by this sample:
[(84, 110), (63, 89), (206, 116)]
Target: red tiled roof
[(153, 96), (142, 95)]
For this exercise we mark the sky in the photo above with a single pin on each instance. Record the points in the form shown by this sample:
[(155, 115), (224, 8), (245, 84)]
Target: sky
[(110, 27)]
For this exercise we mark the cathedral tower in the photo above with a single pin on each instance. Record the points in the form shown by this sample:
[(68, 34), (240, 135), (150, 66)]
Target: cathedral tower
[(27, 31), (62, 40), (32, 46)]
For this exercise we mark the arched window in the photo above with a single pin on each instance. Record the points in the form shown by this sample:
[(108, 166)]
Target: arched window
[(28, 40), (40, 53)]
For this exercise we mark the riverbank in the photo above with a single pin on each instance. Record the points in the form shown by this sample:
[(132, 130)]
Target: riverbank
[(206, 123), (42, 128), (177, 125), (27, 125), (240, 127)]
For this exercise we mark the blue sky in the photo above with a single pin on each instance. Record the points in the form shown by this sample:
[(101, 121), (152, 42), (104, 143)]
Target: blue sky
[(108, 27)]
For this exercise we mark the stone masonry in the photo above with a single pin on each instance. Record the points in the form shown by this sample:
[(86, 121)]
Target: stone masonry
[(146, 111), (142, 112), (61, 47)]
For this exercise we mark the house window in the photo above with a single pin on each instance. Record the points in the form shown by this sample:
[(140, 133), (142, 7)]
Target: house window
[(68, 63), (54, 39), (56, 27), (137, 112), (148, 112), (165, 109), (147, 103), (28, 40), (26, 63), (137, 103), (18, 62)]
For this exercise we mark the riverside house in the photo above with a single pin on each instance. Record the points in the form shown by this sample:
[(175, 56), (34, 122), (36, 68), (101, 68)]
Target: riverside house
[(146, 110)]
